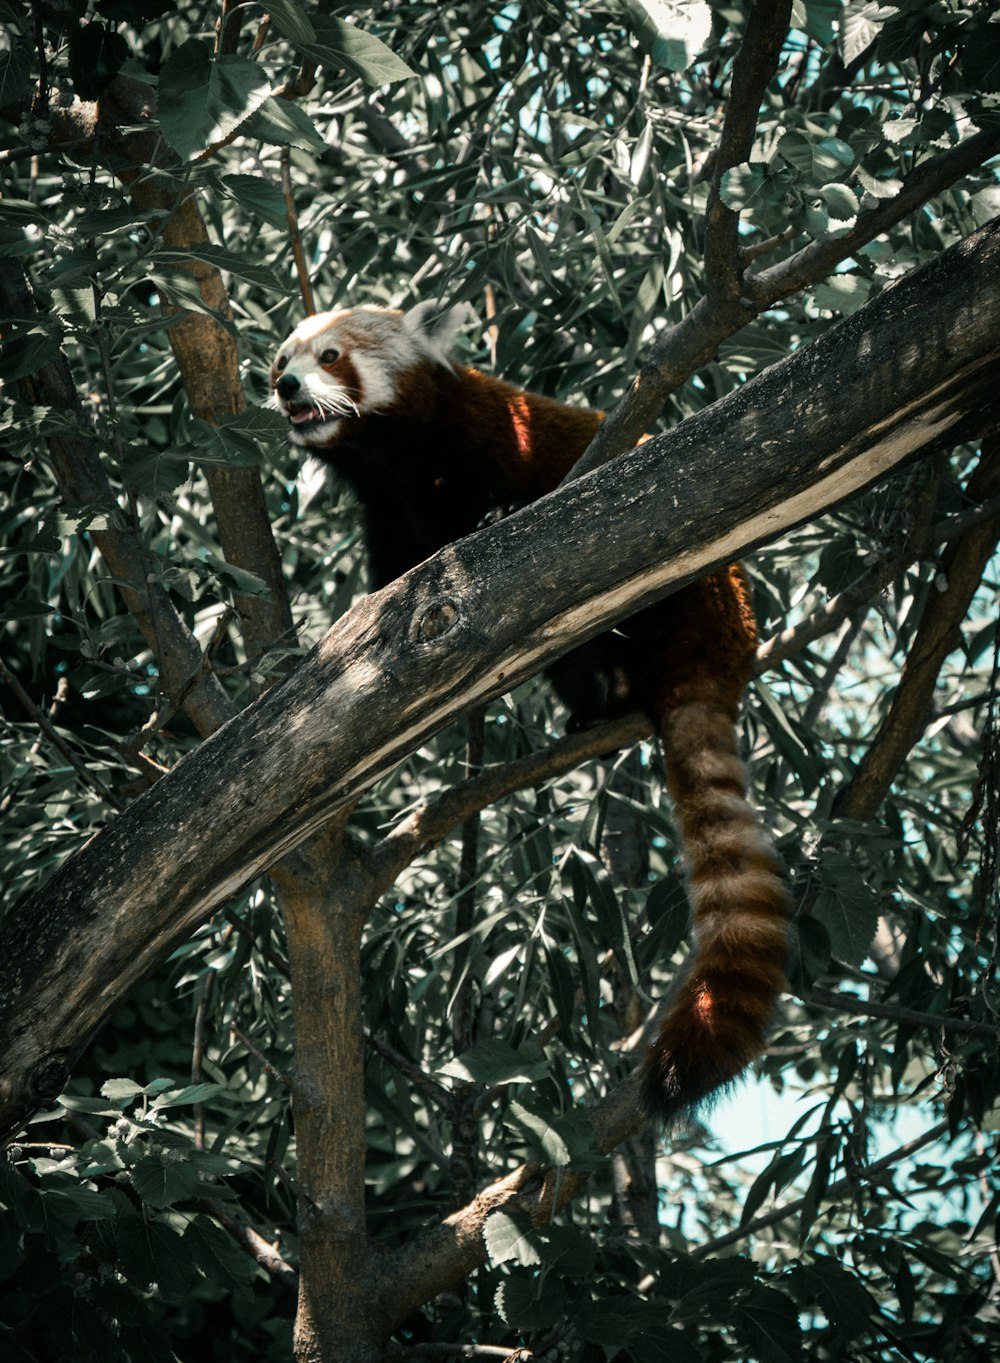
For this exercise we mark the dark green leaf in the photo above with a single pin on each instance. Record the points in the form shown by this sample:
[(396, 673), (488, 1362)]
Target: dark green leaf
[(204, 98), (341, 45)]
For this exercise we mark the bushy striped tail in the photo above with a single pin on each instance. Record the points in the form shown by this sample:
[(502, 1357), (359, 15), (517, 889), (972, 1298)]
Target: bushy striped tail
[(718, 1014)]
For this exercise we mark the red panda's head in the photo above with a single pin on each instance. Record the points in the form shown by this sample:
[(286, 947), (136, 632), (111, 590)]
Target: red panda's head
[(337, 367)]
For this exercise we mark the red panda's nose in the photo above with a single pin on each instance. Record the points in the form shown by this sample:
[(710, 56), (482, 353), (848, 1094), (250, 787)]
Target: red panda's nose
[(287, 386)]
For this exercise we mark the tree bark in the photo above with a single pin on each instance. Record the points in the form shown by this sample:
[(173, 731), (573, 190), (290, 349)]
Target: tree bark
[(324, 894), (911, 368)]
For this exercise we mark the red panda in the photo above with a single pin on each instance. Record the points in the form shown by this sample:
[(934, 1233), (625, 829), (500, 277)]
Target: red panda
[(431, 448)]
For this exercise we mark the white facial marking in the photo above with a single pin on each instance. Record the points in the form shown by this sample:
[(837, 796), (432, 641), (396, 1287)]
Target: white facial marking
[(378, 346)]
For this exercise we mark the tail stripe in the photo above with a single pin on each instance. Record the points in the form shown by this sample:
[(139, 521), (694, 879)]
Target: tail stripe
[(717, 1015)]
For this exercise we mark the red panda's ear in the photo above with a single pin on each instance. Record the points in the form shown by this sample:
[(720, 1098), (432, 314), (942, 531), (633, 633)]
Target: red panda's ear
[(435, 331)]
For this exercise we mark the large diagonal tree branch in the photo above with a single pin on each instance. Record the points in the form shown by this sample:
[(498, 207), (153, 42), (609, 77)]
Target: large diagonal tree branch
[(475, 620)]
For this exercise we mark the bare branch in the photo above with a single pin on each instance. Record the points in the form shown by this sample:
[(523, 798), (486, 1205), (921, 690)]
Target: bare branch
[(753, 70), (254, 1243), (435, 819), (294, 235), (847, 1003), (961, 570), (53, 735), (842, 1185)]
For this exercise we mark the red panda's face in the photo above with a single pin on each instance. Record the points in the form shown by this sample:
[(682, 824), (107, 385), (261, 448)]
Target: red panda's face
[(337, 367)]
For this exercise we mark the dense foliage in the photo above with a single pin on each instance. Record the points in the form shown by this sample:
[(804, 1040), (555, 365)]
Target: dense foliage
[(549, 165)]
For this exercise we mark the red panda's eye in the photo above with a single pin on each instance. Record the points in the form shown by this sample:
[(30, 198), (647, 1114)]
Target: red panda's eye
[(280, 362), (329, 357)]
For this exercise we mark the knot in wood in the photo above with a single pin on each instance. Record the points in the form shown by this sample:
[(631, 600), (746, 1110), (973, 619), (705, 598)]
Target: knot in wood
[(435, 620), (48, 1078)]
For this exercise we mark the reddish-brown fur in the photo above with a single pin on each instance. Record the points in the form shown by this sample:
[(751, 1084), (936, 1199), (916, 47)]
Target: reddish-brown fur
[(449, 446)]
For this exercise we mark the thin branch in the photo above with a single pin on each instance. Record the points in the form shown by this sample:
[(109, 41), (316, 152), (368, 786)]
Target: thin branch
[(842, 1185), (294, 235), (435, 819), (848, 1003), (753, 70), (867, 587), (259, 1055), (961, 571), (254, 1243)]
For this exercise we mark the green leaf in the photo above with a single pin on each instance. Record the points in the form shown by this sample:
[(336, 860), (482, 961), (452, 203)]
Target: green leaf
[(817, 18), (260, 423), (121, 1091), (509, 1238), (193, 1093), (546, 1142), (341, 45), (259, 198), (150, 1252), (216, 1255), (846, 1303), (231, 261), (289, 19), (742, 185), (154, 473), (768, 1322), (240, 579), (203, 98), (846, 906), (840, 201), (607, 906), (523, 1301), (860, 25), (817, 161), (496, 1062), (73, 1203), (15, 75), (163, 1178), (285, 124), (673, 32), (27, 352)]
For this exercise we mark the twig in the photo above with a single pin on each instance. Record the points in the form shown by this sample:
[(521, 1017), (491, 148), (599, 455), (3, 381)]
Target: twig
[(56, 739), (259, 1055), (842, 1185), (254, 1243), (847, 1003), (962, 567), (294, 235), (433, 820)]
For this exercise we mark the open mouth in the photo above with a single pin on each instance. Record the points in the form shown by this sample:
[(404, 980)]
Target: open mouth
[(300, 413)]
